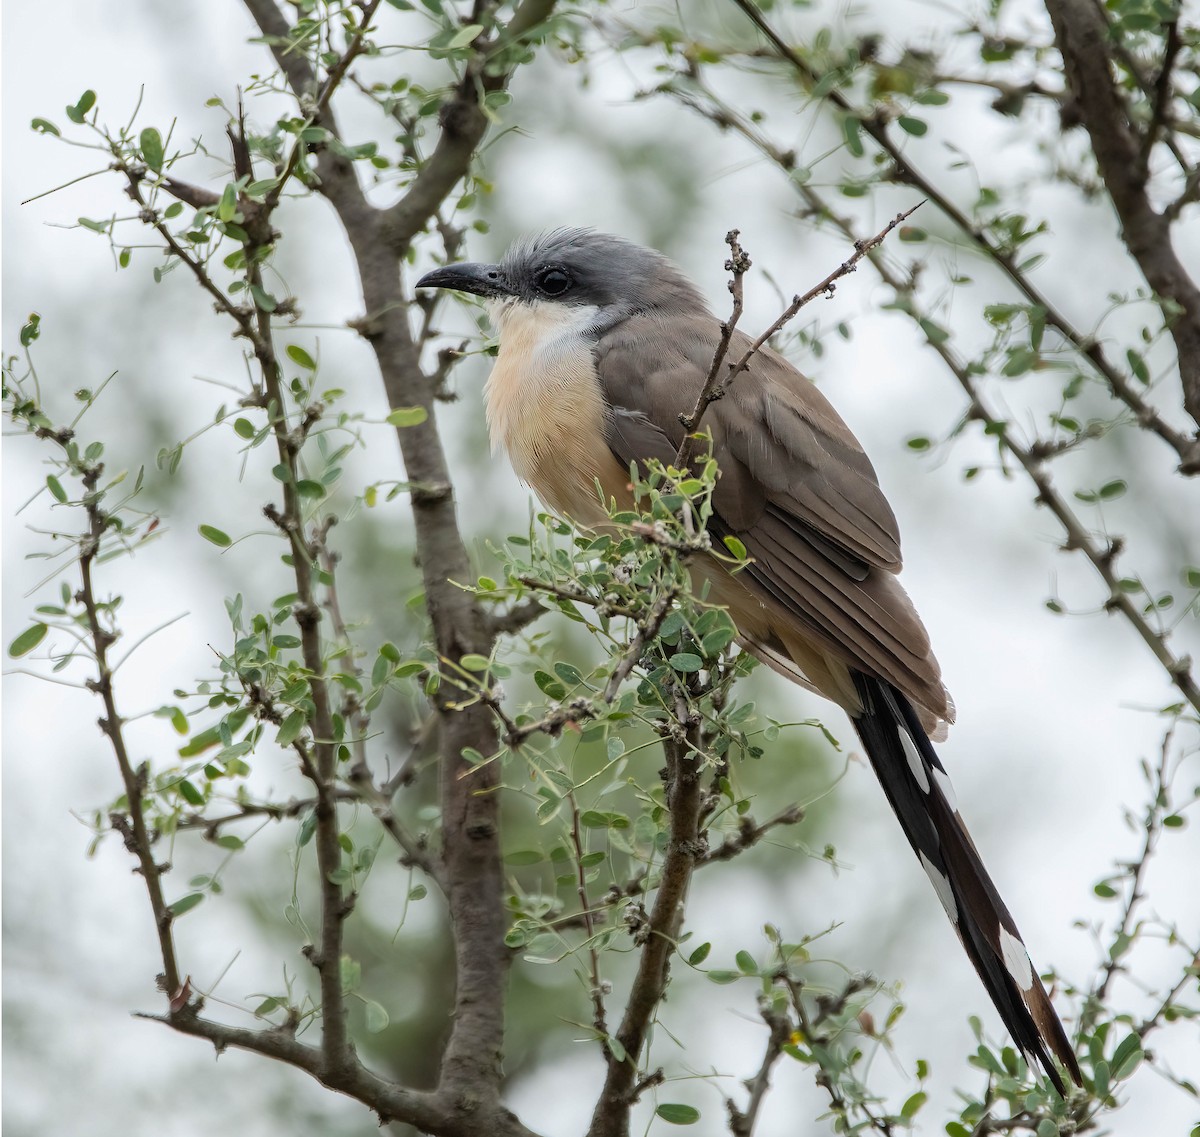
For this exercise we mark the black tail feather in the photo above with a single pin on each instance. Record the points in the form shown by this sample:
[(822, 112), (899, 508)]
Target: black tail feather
[(921, 796)]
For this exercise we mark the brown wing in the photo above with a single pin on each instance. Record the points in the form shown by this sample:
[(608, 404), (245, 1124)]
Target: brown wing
[(796, 489)]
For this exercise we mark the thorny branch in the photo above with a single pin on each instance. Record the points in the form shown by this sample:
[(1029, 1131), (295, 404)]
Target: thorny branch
[(132, 825), (738, 265), (715, 388)]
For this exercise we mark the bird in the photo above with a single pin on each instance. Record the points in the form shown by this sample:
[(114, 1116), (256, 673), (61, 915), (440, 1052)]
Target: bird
[(602, 344)]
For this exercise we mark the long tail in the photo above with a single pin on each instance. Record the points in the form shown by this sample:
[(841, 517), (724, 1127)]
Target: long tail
[(921, 796)]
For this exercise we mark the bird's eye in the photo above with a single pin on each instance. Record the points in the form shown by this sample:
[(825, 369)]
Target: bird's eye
[(552, 282)]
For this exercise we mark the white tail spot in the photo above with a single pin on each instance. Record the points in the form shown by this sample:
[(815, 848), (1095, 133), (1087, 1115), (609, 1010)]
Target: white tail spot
[(941, 885), (915, 764), (943, 781), (1016, 959)]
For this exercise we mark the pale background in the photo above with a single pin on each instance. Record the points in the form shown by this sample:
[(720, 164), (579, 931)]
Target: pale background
[(1054, 713)]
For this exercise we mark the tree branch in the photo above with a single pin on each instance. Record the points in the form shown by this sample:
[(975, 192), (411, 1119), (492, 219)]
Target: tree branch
[(431, 1113), (1187, 447), (685, 847), (1083, 37)]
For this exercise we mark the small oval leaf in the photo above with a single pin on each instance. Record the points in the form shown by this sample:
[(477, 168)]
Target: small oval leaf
[(27, 640), (216, 536)]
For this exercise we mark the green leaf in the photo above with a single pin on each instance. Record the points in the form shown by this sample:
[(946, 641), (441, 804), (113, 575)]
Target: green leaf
[(31, 329), (45, 126), (351, 972), (909, 1109), (678, 1114), (56, 488), (1126, 1057), (464, 36), (27, 640), (185, 903), (568, 673), (746, 963), (230, 842), (1112, 490), (616, 1048), (377, 1017), (290, 728), (1104, 891), (475, 662), (686, 662), (244, 428), (78, 112), (262, 298), (190, 794), (298, 355), (227, 206), (851, 132), (524, 857), (934, 331), (699, 955), (1047, 1127), (151, 145), (408, 416), (913, 126), (1174, 821), (736, 548), (549, 686), (213, 534)]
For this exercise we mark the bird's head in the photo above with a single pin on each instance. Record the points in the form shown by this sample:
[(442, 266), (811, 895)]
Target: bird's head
[(578, 268)]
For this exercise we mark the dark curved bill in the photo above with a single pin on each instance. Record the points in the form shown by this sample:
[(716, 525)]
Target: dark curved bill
[(479, 279)]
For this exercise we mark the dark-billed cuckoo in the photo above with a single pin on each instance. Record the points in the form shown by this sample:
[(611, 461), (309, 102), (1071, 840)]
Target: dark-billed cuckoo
[(603, 344)]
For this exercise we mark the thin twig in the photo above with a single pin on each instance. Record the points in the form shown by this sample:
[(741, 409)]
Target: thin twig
[(595, 984), (1157, 808), (741, 1123), (713, 389), (749, 834), (737, 266)]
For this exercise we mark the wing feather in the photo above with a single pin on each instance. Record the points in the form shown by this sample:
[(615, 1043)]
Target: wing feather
[(796, 489)]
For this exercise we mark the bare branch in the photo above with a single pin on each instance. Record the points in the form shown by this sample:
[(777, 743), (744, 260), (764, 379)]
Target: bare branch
[(433, 1113), (738, 265), (741, 1124), (749, 834)]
